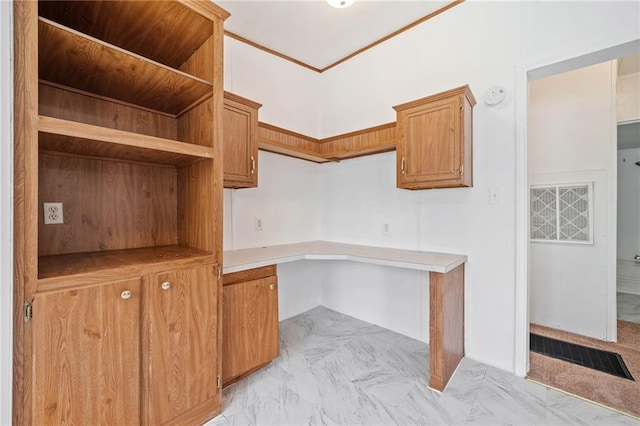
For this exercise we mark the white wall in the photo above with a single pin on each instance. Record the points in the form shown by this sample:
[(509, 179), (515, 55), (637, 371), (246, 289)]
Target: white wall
[(571, 140), (628, 102), (559, 30), (6, 210), (628, 270), (286, 200), (453, 49), (300, 286), (358, 196), (287, 91), (393, 298), (476, 43)]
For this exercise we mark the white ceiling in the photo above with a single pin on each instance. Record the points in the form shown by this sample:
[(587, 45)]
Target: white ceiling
[(317, 34)]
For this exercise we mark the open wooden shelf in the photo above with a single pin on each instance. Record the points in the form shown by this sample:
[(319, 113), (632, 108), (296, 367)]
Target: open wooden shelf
[(66, 270), (89, 65), (373, 140), (71, 137), (163, 31)]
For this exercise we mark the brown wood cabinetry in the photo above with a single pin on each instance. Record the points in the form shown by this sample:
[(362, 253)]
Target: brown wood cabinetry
[(118, 116), (182, 346), (250, 326), (240, 142), (434, 141), (87, 355)]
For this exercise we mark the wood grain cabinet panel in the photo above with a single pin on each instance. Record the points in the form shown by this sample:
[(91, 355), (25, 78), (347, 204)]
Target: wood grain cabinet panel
[(434, 141), (446, 324), (182, 347), (240, 142), (118, 116), (86, 355), (250, 327)]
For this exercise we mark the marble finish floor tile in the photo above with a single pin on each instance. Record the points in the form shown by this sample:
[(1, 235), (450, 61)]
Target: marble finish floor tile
[(337, 370), (507, 399), (629, 307), (565, 409)]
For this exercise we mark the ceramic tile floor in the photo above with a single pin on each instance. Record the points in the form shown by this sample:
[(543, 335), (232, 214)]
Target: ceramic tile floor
[(629, 307), (337, 370)]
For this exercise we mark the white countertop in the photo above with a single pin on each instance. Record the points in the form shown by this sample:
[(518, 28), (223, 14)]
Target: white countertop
[(243, 259)]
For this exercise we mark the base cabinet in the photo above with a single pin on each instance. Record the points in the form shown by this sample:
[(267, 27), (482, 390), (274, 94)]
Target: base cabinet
[(137, 351), (250, 337), (86, 355), (182, 347)]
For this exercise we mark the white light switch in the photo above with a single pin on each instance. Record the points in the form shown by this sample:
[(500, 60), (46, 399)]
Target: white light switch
[(495, 195), (258, 223), (386, 228)]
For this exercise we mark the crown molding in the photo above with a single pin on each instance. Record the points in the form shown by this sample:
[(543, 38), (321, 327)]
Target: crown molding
[(351, 55)]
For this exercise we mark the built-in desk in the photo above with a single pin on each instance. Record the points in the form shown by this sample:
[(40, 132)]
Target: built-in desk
[(446, 288)]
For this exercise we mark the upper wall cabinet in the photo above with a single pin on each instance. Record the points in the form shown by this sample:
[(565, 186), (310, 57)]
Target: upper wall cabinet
[(240, 142), (434, 141)]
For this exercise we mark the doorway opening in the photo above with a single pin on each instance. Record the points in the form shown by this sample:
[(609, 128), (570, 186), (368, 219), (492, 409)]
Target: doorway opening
[(628, 218), (570, 193)]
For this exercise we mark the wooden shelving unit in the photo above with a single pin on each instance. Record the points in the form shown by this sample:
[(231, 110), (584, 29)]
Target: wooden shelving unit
[(119, 118), (373, 140), (81, 62), (141, 24), (69, 270), (64, 136)]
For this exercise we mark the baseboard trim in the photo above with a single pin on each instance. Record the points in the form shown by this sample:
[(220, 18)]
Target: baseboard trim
[(627, 290)]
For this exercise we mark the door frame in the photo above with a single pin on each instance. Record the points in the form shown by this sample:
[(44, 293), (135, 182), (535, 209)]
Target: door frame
[(522, 291), (6, 213)]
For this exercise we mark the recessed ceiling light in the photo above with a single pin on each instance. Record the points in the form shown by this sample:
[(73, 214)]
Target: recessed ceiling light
[(340, 4)]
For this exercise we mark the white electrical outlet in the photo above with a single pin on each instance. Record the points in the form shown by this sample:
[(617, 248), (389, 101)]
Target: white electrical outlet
[(258, 223), (53, 213)]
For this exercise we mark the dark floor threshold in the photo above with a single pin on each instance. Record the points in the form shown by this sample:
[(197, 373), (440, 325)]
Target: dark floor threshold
[(596, 359)]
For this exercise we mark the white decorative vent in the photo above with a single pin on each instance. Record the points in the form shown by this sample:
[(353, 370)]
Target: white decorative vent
[(562, 213), (544, 222)]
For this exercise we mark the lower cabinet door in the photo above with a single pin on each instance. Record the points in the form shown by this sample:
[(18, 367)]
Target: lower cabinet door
[(86, 355), (182, 347), (250, 327)]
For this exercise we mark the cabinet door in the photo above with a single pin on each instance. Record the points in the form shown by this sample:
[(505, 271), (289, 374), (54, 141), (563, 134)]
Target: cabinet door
[(182, 347), (429, 144), (250, 336), (240, 145), (86, 354)]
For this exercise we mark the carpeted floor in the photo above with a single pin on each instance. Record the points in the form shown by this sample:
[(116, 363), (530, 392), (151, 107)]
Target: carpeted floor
[(603, 388)]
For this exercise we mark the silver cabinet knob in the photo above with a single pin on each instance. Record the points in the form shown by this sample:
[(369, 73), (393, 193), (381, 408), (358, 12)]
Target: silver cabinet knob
[(125, 294), (272, 286), (166, 285)]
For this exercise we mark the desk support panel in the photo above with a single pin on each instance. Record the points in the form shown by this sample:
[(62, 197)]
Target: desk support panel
[(446, 325)]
